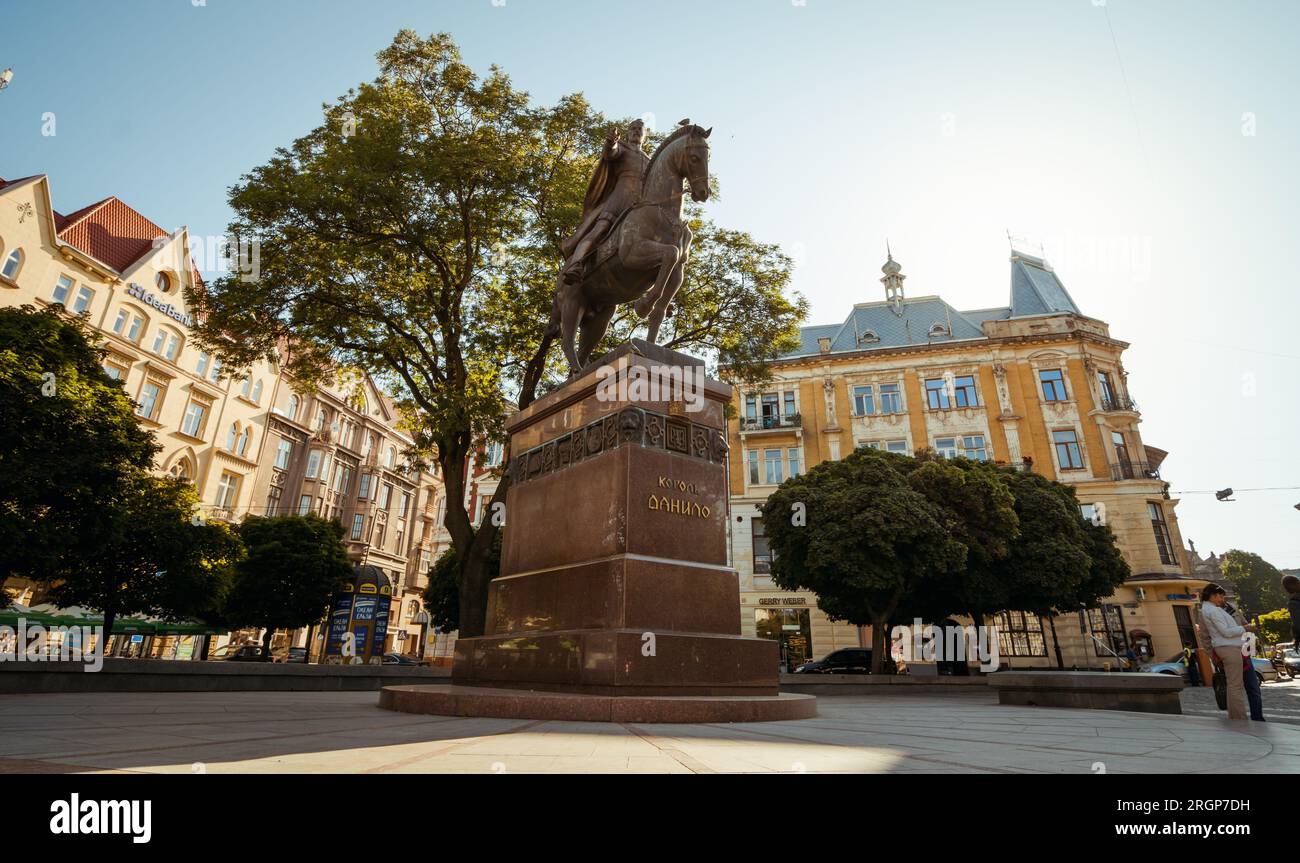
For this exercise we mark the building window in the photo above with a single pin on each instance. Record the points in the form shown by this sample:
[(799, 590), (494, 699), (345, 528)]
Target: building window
[(1020, 634), (377, 537), (964, 391), (292, 410), (241, 445), (495, 450), (1161, 529), (753, 467), (1053, 384), (195, 414), (137, 330), (283, 451), (772, 467), (946, 447), (1121, 454), (166, 343), (864, 401), (163, 282), (273, 502), (385, 492), (794, 461), (891, 399), (762, 551), (119, 323), (227, 490), (899, 446), (151, 396), (1107, 390), (973, 448), (13, 265), (115, 368), (936, 394), (304, 505), (358, 523), (1068, 454), (1106, 626), (202, 368), (82, 303), (1091, 513), (257, 392), (404, 505), (364, 491), (391, 459), (313, 464), (62, 289), (216, 371)]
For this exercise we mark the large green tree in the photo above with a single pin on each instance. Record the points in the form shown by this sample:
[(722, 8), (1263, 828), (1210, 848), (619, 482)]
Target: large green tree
[(415, 234), (1257, 583), (148, 553), (71, 438), (293, 566), (79, 510), (442, 593), (857, 534)]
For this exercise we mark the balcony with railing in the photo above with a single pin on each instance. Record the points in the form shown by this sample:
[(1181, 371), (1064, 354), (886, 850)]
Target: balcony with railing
[(771, 423), (1114, 403), (1133, 470)]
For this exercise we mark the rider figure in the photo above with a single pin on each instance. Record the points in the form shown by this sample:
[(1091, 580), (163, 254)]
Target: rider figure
[(614, 188)]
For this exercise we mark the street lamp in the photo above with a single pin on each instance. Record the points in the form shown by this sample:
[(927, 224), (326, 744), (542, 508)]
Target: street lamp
[(5, 77)]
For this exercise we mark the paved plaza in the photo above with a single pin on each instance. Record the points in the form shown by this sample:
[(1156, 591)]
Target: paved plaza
[(316, 732)]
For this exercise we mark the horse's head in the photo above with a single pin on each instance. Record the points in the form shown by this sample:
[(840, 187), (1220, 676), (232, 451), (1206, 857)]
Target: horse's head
[(694, 163)]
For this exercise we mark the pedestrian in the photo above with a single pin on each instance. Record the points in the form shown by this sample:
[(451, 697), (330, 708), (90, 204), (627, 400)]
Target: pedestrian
[(1249, 677), (1226, 636), (1193, 667), (1131, 658)]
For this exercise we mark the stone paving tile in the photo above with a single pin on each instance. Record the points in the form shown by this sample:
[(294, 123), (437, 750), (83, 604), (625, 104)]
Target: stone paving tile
[(346, 732)]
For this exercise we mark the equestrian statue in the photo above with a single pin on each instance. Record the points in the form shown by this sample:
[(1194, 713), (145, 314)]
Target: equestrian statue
[(632, 244)]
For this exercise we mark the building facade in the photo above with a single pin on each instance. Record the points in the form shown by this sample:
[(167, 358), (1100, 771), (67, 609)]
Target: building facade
[(250, 440), (1035, 384)]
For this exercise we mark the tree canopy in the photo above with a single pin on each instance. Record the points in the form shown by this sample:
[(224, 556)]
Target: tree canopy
[(415, 234), (1257, 583), (293, 566), (882, 538)]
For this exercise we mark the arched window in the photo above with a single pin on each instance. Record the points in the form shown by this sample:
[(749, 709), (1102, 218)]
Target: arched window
[(181, 470), (369, 445), (320, 419), (232, 436), (392, 457), (242, 443), (292, 410), (12, 265)]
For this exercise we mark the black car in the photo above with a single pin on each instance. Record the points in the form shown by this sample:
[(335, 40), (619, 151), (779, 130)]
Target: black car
[(850, 660), (242, 653), (401, 659)]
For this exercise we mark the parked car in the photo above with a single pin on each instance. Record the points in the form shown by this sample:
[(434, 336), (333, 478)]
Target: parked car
[(849, 660), (401, 659), (1291, 659), (239, 653), (1263, 668), (289, 654)]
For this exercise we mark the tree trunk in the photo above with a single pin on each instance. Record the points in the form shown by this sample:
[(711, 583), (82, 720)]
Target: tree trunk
[(266, 641), (1060, 663), (311, 627), (878, 643)]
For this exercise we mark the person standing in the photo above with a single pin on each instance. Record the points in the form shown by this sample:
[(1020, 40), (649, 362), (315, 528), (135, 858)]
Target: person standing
[(1225, 636)]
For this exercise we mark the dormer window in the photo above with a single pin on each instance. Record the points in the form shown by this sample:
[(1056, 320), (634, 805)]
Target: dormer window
[(868, 337), (164, 283), (937, 330)]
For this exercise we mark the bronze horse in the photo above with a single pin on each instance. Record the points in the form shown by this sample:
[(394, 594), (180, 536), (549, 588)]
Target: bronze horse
[(643, 257)]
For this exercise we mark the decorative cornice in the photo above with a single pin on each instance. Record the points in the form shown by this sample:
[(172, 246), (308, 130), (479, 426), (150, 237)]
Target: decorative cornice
[(629, 427)]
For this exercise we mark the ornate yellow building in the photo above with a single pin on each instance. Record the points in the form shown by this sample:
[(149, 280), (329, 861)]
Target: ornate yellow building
[(1036, 384)]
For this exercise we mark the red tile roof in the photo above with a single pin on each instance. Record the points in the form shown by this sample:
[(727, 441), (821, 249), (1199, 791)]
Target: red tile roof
[(111, 232)]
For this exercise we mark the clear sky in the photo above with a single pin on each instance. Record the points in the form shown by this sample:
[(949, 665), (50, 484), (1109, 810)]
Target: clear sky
[(1149, 146)]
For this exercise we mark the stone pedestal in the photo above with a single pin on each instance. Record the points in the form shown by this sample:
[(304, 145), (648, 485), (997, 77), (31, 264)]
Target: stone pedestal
[(614, 577)]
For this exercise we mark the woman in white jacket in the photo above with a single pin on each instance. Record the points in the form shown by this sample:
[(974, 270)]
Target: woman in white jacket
[(1226, 637)]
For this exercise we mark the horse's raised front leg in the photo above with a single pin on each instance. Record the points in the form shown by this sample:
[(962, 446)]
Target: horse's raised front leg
[(665, 299)]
